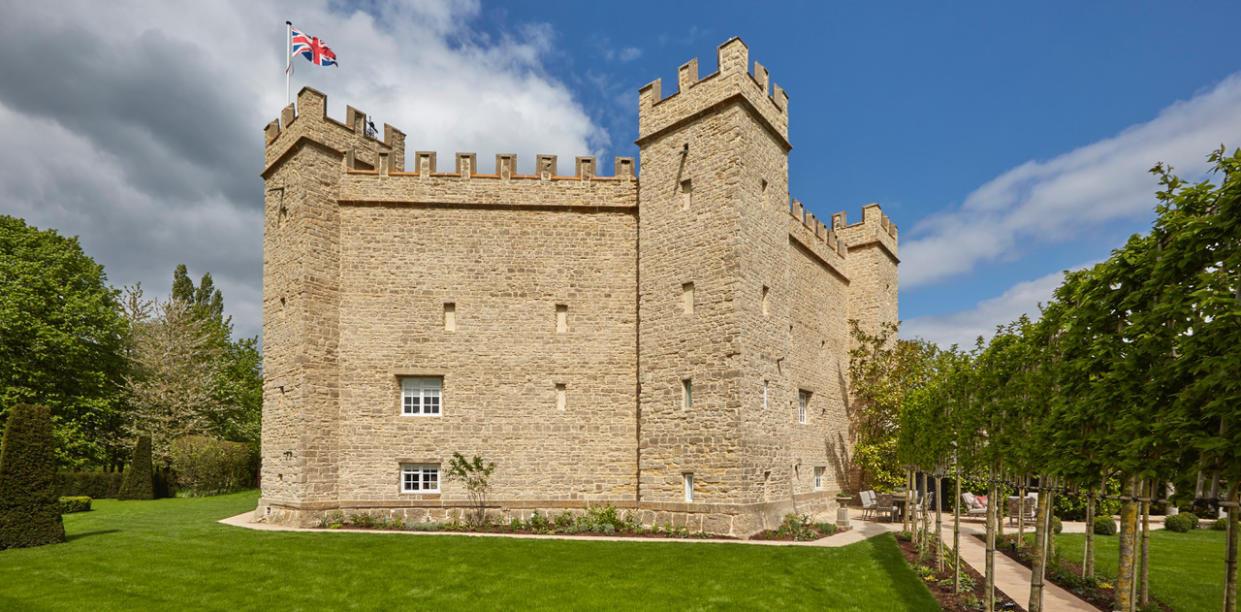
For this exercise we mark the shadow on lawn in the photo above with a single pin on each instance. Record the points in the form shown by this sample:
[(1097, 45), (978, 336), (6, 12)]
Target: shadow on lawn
[(69, 537), (887, 552)]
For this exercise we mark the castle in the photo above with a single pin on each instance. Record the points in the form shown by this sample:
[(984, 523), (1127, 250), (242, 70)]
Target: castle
[(675, 343)]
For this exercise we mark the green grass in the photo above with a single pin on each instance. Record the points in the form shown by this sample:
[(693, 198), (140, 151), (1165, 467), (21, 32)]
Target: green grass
[(171, 553), (1186, 569)]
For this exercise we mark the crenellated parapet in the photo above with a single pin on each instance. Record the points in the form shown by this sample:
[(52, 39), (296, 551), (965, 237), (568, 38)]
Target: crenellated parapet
[(307, 121), (695, 97), (875, 229)]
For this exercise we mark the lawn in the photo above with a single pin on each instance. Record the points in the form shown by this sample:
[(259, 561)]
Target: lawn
[(171, 553), (1186, 569)]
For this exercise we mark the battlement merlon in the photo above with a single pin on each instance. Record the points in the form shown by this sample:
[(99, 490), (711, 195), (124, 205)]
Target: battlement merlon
[(308, 121), (875, 229), (732, 82)]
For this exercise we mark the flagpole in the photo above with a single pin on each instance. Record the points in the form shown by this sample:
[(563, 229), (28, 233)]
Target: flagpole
[(288, 61)]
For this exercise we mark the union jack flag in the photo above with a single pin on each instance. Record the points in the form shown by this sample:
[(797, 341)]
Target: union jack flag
[(311, 48)]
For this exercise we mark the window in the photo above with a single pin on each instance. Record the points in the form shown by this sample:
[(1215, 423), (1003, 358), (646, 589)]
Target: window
[(687, 191), (689, 486), (450, 316), (687, 298), (766, 300), (420, 479), (803, 398), (687, 393), (560, 396), (421, 396), (818, 478), (562, 318), (764, 395)]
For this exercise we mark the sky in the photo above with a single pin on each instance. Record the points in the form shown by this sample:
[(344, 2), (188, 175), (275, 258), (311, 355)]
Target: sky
[(1008, 141)]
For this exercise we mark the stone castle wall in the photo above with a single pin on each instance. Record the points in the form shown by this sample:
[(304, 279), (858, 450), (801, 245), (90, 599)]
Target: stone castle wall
[(363, 260)]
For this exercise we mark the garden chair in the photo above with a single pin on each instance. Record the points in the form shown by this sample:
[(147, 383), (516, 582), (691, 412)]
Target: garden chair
[(868, 503), (971, 505), (884, 504)]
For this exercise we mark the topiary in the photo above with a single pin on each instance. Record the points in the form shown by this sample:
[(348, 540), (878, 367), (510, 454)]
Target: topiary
[(79, 503), (139, 481), (29, 505), (1182, 522), (1104, 525), (1056, 525)]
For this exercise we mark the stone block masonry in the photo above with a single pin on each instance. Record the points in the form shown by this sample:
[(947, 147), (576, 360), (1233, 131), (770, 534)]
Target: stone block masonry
[(674, 344)]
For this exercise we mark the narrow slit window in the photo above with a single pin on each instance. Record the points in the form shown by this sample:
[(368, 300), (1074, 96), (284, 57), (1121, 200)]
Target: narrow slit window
[(803, 401), (764, 395), (689, 486), (687, 193), (766, 300), (687, 393), (562, 318), (687, 298), (560, 396), (450, 316), (818, 478)]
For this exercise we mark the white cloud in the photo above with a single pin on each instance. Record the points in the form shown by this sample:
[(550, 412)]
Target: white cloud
[(144, 136), (963, 327), (1073, 194)]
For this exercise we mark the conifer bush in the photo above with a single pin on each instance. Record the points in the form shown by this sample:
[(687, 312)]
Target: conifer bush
[(138, 482), (79, 503), (29, 506)]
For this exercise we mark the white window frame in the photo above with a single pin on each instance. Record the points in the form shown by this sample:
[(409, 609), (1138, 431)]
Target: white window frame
[(765, 395), (421, 477), (803, 403), (422, 396), (687, 393), (818, 477), (688, 480)]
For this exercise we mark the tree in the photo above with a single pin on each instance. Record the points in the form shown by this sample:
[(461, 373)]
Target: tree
[(173, 371), (61, 331), (29, 506), (139, 481), (475, 475)]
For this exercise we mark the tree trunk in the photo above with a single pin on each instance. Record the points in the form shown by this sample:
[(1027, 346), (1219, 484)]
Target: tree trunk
[(1050, 537), (926, 517), (1021, 516), (939, 523), (989, 588), (1128, 529), (1144, 574), (1037, 565), (1230, 554), (956, 535), (909, 485), (1088, 555)]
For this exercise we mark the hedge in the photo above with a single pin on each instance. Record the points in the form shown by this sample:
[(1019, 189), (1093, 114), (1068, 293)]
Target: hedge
[(80, 503), (206, 466), (138, 482), (29, 508), (97, 485), (1182, 522)]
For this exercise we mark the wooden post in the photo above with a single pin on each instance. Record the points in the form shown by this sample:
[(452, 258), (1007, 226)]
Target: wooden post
[(956, 535), (989, 578), (1230, 553), (939, 521)]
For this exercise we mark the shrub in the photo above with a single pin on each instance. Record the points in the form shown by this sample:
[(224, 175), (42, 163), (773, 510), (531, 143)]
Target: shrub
[(96, 485), (206, 466), (139, 479), (1182, 522), (79, 503), (1056, 525), (1220, 524), (1104, 525), (29, 506)]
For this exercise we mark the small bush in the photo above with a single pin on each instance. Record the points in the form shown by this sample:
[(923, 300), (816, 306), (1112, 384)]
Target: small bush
[(1056, 525), (206, 466), (139, 479), (70, 505), (29, 510), (1182, 522), (1220, 524), (96, 485), (1104, 525)]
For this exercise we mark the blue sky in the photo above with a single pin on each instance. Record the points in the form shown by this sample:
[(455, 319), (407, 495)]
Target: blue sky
[(1008, 141)]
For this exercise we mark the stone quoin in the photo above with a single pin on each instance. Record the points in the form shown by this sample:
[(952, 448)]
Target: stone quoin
[(672, 341)]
